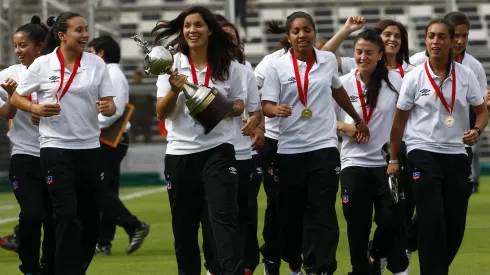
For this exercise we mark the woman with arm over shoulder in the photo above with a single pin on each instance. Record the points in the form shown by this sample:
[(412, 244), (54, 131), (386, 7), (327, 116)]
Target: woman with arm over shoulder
[(201, 168), (72, 87), (433, 106)]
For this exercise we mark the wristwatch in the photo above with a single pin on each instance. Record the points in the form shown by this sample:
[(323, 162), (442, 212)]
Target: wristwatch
[(359, 122)]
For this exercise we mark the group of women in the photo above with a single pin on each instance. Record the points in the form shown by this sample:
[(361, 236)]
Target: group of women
[(419, 110), (310, 100)]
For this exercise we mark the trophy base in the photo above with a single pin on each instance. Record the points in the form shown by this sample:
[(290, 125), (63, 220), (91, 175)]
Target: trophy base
[(211, 110)]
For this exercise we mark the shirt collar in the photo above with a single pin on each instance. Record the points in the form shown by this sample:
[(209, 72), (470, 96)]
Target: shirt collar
[(184, 63), (433, 75), (54, 63), (320, 57)]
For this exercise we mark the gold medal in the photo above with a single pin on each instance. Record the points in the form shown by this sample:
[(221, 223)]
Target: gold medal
[(449, 121), (306, 113)]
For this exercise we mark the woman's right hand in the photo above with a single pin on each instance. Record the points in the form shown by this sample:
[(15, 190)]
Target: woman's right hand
[(283, 110), (354, 23), (45, 110), (177, 81), (393, 169)]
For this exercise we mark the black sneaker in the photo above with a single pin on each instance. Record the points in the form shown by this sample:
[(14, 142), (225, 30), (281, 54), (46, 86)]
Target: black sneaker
[(137, 238), (103, 250), (9, 243), (271, 268)]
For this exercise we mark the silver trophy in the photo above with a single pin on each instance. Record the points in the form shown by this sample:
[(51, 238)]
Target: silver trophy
[(206, 105)]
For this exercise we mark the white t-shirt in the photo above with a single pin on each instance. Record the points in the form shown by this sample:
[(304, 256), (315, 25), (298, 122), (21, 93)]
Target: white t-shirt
[(296, 134), (77, 126), (186, 135), (369, 154), (243, 143), (1, 103), (121, 89), (349, 63), (426, 128), (23, 134), (271, 124), (468, 60)]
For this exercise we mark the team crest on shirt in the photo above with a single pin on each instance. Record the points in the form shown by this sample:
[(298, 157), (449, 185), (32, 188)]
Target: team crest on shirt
[(258, 170), (353, 98), (416, 175), (424, 92), (54, 79), (169, 185), (345, 199), (292, 80), (49, 179), (15, 185)]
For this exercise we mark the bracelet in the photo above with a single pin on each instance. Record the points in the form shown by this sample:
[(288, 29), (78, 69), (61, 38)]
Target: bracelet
[(261, 127), (357, 123), (478, 130), (395, 161)]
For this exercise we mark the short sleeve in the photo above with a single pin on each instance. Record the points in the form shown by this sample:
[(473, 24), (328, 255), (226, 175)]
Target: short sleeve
[(336, 82), (253, 97), (105, 86), (261, 70), (418, 58), (272, 86), (237, 89), (163, 86), (406, 98), (1, 103), (473, 95), (31, 81), (348, 63), (482, 79)]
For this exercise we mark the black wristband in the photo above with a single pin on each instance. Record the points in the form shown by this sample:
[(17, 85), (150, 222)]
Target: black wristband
[(478, 130)]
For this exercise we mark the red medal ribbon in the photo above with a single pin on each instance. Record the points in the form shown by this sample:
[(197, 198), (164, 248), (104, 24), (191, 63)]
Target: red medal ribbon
[(29, 97), (62, 72), (194, 74), (303, 94), (400, 68), (365, 116), (438, 92)]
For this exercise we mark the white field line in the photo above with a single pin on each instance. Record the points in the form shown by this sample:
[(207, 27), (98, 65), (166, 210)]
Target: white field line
[(124, 198)]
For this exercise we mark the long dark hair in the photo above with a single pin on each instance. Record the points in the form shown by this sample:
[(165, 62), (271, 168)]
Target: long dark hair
[(380, 72), (240, 54), (275, 28), (452, 33), (221, 49), (35, 29), (403, 54)]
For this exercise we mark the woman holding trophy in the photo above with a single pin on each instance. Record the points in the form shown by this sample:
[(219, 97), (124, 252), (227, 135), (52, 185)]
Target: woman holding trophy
[(200, 164)]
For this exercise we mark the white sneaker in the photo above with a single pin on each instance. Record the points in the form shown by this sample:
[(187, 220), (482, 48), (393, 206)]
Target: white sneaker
[(208, 273)]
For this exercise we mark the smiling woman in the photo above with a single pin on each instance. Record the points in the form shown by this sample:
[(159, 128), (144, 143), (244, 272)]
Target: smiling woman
[(72, 87)]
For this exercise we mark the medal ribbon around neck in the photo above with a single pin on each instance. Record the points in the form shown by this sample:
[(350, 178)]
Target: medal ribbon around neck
[(400, 68), (438, 91), (194, 74), (62, 73), (302, 93), (366, 117)]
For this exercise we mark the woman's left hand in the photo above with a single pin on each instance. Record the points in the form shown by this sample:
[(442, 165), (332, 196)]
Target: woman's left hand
[(470, 137)]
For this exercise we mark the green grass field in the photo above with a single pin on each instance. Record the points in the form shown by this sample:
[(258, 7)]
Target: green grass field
[(156, 256)]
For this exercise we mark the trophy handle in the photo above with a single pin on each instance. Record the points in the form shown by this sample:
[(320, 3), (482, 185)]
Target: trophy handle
[(142, 43)]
